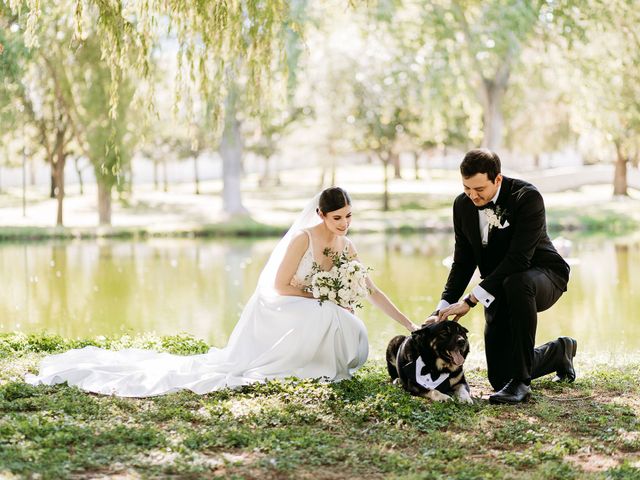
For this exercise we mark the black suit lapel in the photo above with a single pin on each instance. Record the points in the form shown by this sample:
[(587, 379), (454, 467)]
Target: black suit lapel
[(505, 191), (502, 200)]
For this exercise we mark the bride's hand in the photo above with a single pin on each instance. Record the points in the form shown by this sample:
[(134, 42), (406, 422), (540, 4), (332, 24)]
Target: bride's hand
[(412, 327)]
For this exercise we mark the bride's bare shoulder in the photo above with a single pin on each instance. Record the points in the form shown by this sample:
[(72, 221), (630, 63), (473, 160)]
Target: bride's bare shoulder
[(300, 240)]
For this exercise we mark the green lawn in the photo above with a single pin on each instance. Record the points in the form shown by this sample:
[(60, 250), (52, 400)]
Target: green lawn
[(361, 428)]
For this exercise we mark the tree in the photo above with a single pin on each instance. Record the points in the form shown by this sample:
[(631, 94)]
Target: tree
[(35, 80), (608, 94), (486, 39), (105, 135), (407, 94), (212, 36), (269, 130)]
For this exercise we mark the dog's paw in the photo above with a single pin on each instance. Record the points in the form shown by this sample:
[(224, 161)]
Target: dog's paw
[(463, 396), (396, 381), (466, 399), (437, 396)]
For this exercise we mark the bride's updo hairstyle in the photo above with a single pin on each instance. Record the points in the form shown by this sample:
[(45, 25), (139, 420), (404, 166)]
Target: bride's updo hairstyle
[(332, 199)]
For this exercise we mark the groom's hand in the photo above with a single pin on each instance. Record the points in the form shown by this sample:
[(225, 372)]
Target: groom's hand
[(433, 318), (459, 309)]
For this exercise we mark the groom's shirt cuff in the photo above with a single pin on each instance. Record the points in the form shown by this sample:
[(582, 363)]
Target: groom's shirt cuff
[(484, 297), (442, 305)]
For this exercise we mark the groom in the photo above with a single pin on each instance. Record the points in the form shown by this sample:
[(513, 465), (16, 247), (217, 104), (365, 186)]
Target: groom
[(500, 227)]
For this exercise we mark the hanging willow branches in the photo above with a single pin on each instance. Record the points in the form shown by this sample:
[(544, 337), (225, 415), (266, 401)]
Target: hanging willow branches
[(220, 42)]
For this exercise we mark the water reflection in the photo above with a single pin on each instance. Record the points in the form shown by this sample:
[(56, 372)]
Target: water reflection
[(84, 289)]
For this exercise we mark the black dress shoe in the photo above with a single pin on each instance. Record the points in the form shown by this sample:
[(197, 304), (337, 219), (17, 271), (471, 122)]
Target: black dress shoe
[(567, 373), (513, 392)]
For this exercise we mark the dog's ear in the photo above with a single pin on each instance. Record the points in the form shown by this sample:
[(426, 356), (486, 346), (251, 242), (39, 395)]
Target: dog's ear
[(423, 330), (455, 327)]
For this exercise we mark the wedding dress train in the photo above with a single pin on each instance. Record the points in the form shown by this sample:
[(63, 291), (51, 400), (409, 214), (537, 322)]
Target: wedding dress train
[(276, 337)]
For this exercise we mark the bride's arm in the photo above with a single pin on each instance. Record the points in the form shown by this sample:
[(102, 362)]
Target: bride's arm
[(289, 265), (380, 300)]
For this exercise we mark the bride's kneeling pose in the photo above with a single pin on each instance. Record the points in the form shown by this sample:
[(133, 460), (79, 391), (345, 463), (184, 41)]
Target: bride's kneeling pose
[(283, 330)]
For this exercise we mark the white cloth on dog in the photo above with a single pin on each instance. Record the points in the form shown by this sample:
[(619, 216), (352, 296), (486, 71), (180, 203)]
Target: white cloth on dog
[(425, 380), (276, 337)]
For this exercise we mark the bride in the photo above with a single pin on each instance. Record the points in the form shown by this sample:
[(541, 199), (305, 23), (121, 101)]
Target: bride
[(282, 332)]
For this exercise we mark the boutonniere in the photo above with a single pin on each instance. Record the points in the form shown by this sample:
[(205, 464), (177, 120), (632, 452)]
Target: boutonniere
[(496, 218)]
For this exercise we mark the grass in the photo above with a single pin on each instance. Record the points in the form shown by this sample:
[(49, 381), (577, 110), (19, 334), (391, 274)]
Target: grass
[(599, 219), (412, 210), (596, 220), (233, 227), (360, 428)]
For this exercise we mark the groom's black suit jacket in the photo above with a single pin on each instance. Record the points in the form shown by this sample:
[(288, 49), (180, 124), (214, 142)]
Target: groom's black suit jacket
[(522, 245)]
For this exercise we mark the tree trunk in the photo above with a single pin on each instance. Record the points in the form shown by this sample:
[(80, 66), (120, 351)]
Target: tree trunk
[(129, 184), (334, 169), (52, 189), (32, 172), (155, 175), (416, 164), (395, 160), (264, 179), (196, 174), (493, 118), (104, 203), (620, 173), (323, 173), (165, 181), (231, 153), (58, 173), (384, 157), (79, 172), (276, 172)]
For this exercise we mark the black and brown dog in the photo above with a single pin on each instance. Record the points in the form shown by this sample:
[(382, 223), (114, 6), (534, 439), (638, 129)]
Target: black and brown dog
[(428, 363)]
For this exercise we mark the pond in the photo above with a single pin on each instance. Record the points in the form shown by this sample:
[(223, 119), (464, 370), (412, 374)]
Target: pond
[(167, 286)]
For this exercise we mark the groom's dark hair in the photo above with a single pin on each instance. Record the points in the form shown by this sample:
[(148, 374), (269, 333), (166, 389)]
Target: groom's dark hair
[(332, 199), (480, 160)]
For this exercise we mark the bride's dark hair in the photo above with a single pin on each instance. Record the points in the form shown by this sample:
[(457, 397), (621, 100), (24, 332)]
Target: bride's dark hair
[(332, 199)]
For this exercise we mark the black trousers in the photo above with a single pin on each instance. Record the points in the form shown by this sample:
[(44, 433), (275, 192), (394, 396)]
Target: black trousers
[(510, 329)]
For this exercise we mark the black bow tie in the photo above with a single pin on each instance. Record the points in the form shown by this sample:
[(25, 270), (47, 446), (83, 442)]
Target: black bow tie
[(490, 205)]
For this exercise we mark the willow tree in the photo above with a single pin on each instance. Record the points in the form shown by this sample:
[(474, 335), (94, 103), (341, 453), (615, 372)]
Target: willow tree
[(34, 84), (69, 98), (107, 139), (213, 36)]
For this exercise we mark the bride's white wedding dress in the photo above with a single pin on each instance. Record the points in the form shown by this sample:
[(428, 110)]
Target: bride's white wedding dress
[(276, 337)]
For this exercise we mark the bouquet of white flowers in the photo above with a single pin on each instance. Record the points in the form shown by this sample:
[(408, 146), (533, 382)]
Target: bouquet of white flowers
[(345, 284)]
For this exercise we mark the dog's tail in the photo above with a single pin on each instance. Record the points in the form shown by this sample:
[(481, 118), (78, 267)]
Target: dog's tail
[(392, 355)]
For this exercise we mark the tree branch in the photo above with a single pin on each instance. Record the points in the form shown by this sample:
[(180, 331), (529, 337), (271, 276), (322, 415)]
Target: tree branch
[(70, 108)]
